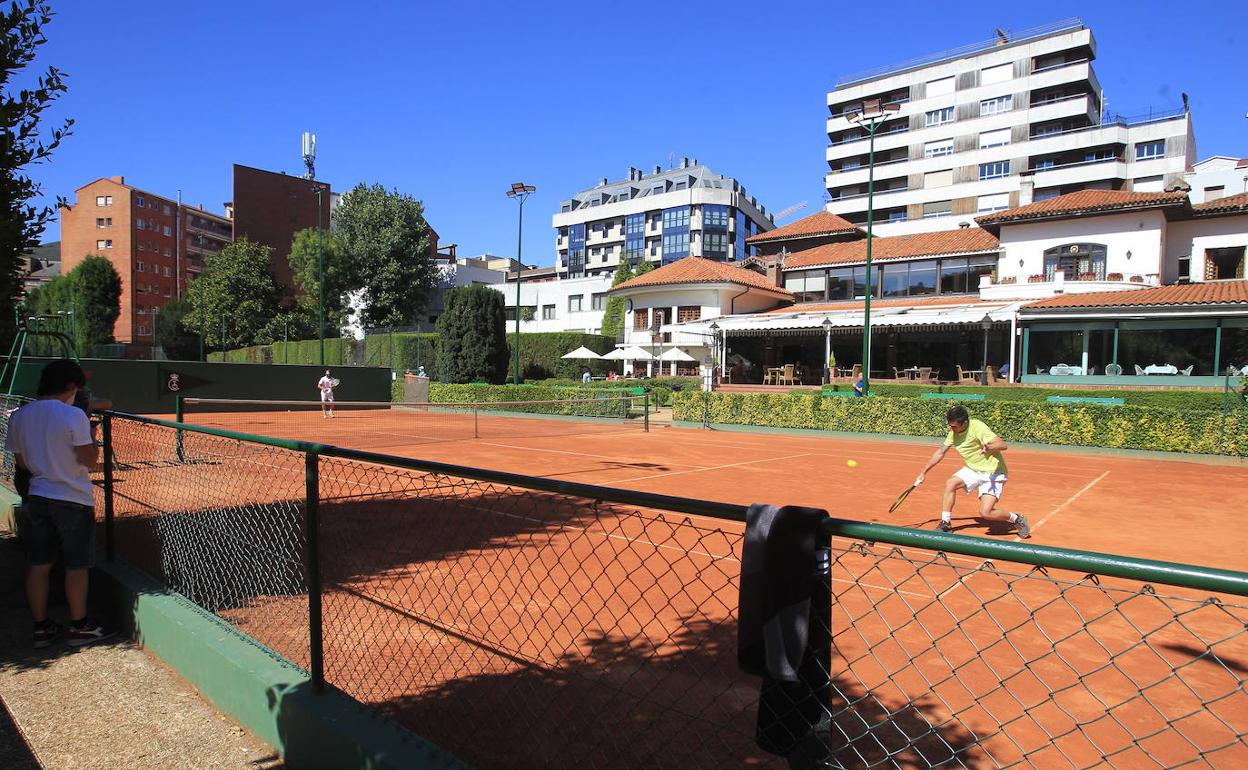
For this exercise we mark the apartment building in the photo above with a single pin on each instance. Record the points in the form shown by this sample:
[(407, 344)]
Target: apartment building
[(270, 207), (990, 126), (156, 245), (662, 217)]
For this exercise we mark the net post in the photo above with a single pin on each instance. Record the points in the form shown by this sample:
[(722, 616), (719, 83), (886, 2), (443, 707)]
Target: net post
[(179, 412), (476, 421), (316, 629), (645, 410), (110, 540)]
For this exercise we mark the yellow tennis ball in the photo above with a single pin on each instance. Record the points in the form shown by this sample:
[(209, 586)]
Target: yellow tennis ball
[(852, 463)]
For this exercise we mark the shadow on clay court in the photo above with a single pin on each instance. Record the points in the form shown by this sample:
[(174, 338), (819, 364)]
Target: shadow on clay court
[(1204, 655), (687, 705)]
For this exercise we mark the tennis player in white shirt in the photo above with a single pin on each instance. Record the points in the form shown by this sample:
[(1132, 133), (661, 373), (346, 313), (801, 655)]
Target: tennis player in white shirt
[(326, 385)]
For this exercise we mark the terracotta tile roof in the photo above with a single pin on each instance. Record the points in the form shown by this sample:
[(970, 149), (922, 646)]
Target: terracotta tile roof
[(1228, 205), (1084, 202), (819, 223), (1211, 293), (857, 304), (699, 270), (968, 240)]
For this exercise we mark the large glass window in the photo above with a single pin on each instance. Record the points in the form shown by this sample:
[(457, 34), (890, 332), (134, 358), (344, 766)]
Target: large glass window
[(976, 267), (1077, 261), (1180, 348), (715, 216), (1047, 349), (922, 277), (994, 170), (1149, 150), (938, 117), (807, 285), (677, 217), (715, 245), (841, 283), (994, 138), (997, 105), (675, 246), (953, 276), (1235, 349), (896, 280), (938, 148)]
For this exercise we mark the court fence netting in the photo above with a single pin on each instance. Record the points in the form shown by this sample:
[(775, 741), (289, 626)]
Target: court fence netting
[(381, 424), (528, 622)]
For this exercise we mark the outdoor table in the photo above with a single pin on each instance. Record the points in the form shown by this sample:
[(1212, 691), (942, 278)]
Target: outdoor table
[(1161, 369), (911, 373), (1064, 369)]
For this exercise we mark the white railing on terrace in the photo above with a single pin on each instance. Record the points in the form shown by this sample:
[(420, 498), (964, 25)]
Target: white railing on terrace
[(863, 137), (953, 53), (1059, 166), (1059, 65), (1058, 100), (863, 195)]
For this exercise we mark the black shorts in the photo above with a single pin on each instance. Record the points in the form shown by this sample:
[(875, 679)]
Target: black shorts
[(49, 527)]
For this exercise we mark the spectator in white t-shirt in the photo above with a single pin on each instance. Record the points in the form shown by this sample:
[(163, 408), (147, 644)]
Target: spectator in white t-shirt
[(52, 439), (326, 385)]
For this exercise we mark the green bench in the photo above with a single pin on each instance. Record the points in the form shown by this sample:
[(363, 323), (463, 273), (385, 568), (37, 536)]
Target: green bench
[(955, 396), (1085, 400)]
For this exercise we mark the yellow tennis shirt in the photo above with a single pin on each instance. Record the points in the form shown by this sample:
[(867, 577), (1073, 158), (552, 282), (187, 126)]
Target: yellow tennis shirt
[(970, 445)]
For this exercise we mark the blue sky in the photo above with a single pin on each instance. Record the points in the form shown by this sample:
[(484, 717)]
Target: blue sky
[(453, 101)]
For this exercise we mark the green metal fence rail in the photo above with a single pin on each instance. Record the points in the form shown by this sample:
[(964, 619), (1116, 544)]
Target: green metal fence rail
[(520, 620)]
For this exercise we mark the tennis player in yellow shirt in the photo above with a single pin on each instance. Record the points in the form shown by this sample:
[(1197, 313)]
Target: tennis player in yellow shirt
[(984, 473)]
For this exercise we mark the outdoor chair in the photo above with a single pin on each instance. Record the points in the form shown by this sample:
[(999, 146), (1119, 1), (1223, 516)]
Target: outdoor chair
[(897, 375), (1188, 371), (993, 379), (964, 378), (788, 377), (768, 376), (925, 374), (1139, 371)]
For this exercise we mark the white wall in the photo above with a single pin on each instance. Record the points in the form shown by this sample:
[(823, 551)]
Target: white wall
[(1192, 237), (1142, 233), (540, 293), (1216, 172)]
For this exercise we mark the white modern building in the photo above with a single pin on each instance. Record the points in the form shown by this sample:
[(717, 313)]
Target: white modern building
[(977, 123), (661, 217), (1218, 177), (567, 305)]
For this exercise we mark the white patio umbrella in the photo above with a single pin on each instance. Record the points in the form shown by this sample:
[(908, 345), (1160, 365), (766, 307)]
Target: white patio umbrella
[(676, 354), (635, 353), (582, 353), (615, 355)]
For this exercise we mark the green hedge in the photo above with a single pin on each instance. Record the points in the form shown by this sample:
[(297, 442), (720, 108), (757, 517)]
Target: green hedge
[(1126, 427), (308, 352), (1163, 399), (659, 388), (541, 355), (410, 351), (483, 393)]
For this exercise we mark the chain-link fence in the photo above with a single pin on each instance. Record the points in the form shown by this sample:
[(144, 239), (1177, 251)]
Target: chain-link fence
[(528, 622)]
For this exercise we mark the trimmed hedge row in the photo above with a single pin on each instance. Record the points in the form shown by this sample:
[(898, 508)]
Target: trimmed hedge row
[(482, 393), (541, 355), (659, 388), (1162, 399), (1126, 427)]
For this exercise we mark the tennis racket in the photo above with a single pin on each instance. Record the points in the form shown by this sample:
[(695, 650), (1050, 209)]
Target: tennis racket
[(902, 498), (334, 383)]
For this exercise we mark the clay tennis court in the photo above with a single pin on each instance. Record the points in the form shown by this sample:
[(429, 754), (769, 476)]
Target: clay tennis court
[(448, 600)]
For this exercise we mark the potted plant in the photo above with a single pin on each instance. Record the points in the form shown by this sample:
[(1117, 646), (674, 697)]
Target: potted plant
[(1087, 276), (1137, 279), (1114, 277), (1036, 279), (1009, 279)]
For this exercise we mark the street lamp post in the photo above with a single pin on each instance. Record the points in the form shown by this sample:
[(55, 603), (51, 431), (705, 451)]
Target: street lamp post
[(719, 361), (869, 116), (519, 191), (986, 325), (827, 350)]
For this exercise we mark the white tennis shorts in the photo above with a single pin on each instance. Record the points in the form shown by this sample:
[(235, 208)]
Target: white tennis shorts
[(982, 483), (327, 396)]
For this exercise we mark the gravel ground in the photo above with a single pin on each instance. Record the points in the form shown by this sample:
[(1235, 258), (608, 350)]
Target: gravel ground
[(109, 705)]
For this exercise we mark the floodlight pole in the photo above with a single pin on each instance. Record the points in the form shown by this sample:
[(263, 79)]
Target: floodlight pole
[(869, 117), (519, 191)]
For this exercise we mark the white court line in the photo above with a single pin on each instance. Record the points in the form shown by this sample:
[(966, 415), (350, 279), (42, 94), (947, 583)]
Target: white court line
[(713, 468), (1069, 500)]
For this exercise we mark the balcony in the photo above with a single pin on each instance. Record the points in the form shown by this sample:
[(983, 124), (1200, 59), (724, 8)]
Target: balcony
[(1039, 286)]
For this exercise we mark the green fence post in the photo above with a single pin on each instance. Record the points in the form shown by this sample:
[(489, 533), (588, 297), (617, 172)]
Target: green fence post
[(109, 530), (645, 410), (178, 415), (316, 630)]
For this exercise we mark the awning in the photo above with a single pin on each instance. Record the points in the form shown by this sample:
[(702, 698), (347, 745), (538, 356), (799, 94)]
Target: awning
[(897, 317)]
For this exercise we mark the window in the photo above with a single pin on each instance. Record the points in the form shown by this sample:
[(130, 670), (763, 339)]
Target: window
[(938, 117), (168, 210), (688, 313), (548, 312), (598, 301), (996, 105), (104, 244), (574, 303), (1042, 195), (1214, 193), (168, 273), (167, 231), (938, 178), (993, 202), (143, 331), (939, 87), (715, 216), (634, 224), (100, 200), (1076, 261), (1185, 268), (141, 267), (807, 285), (1221, 264), (994, 170), (1149, 150), (922, 278), (678, 217), (102, 222), (938, 148), (715, 245), (139, 201), (997, 74), (675, 245), (938, 209), (641, 319), (994, 138), (140, 223)]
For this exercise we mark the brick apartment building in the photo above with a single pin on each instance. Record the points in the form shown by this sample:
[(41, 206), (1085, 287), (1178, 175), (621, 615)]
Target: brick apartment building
[(155, 254), (269, 208)]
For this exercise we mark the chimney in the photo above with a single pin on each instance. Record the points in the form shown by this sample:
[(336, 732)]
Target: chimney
[(633, 174), (775, 274), (684, 163), (1026, 187), (603, 182), (118, 179), (658, 169)]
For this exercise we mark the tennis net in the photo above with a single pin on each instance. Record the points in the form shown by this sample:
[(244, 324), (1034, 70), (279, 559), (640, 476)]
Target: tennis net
[(378, 424)]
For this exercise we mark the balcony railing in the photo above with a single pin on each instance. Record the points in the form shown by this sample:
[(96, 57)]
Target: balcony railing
[(1059, 65), (856, 106), (863, 195), (848, 140), (1074, 164), (1057, 100)]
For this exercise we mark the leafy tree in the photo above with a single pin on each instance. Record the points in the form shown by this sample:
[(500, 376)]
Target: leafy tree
[(237, 286), (644, 267), (388, 244), (613, 315), (179, 341), (92, 291), (304, 264), (474, 347), (22, 145)]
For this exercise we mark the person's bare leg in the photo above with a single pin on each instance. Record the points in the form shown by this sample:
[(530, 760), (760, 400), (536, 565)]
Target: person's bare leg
[(76, 592), (988, 511), (37, 576), (946, 504)]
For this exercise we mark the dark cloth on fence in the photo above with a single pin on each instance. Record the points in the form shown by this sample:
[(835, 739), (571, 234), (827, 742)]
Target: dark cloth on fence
[(783, 630)]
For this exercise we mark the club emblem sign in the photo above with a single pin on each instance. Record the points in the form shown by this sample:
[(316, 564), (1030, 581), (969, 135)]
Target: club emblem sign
[(174, 384)]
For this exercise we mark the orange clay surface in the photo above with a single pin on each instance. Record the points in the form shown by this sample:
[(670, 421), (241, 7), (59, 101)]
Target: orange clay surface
[(1013, 670)]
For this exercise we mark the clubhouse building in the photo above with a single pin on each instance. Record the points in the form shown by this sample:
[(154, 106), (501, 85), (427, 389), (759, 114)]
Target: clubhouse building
[(1111, 287)]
